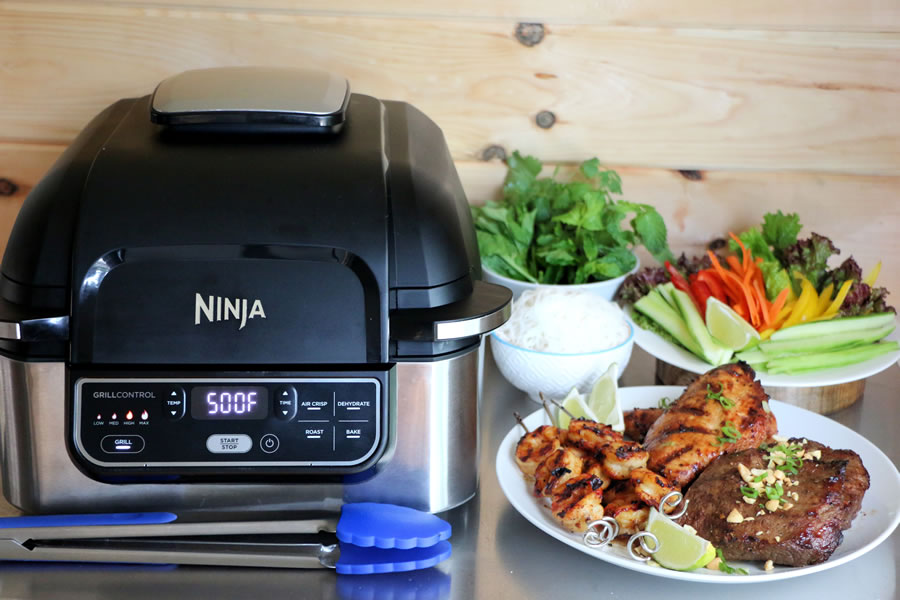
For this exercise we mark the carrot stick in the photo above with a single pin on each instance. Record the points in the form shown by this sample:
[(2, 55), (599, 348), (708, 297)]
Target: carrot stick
[(778, 304), (736, 266), (764, 307), (745, 255)]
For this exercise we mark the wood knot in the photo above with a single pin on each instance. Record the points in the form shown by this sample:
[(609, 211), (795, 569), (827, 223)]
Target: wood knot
[(717, 244), (545, 119), (530, 34), (691, 175), (492, 152), (7, 187)]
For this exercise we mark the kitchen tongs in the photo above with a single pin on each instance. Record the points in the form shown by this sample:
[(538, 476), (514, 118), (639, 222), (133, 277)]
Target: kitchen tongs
[(367, 538)]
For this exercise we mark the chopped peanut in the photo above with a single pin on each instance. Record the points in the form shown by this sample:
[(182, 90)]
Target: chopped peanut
[(758, 533), (779, 475), (772, 505), (779, 438), (745, 473), (749, 500), (769, 566), (777, 538), (788, 505), (734, 516), (758, 471), (795, 496), (690, 529), (713, 565), (770, 479), (816, 454)]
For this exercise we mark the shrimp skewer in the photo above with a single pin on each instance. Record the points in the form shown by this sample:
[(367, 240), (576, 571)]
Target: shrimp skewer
[(535, 446)]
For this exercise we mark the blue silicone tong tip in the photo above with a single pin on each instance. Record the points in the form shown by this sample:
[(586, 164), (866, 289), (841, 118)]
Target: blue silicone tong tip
[(368, 524), (357, 560)]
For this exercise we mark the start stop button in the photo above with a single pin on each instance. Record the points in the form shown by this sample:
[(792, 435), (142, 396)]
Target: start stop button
[(229, 443)]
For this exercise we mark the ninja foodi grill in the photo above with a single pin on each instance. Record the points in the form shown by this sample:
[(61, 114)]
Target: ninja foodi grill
[(250, 289)]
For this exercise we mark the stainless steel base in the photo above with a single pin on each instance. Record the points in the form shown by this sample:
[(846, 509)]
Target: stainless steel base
[(431, 464)]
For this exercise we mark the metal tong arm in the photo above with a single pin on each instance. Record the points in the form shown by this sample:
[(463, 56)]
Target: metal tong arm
[(189, 528), (197, 551)]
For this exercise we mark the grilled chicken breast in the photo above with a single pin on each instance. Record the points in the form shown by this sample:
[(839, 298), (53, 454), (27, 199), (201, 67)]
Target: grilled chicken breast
[(689, 434), (639, 420)]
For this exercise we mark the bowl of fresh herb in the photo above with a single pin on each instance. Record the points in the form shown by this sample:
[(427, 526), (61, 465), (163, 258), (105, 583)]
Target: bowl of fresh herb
[(548, 232)]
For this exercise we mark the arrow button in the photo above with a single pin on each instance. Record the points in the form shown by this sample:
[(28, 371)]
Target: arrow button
[(174, 402), (286, 402)]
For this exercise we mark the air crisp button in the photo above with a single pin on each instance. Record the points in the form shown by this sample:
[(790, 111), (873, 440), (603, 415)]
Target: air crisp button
[(122, 444), (229, 443)]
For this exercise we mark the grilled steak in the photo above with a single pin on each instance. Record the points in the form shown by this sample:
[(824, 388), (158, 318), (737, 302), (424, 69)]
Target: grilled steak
[(639, 420), (688, 435), (829, 494)]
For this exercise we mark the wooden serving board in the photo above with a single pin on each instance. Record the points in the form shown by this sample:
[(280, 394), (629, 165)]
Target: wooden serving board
[(823, 400)]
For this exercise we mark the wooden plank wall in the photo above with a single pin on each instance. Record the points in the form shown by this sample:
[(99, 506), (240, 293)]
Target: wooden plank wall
[(716, 112)]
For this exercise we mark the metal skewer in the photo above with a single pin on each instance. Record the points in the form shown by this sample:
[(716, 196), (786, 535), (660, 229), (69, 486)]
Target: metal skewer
[(665, 502)]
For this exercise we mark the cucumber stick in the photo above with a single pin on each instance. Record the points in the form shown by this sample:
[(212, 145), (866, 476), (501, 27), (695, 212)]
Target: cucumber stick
[(805, 345), (655, 307), (753, 356), (791, 365), (710, 350), (834, 326)]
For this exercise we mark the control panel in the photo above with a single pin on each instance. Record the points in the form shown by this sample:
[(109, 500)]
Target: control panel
[(228, 422)]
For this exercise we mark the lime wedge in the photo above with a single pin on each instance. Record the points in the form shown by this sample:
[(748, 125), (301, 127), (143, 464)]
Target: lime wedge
[(728, 328), (604, 401), (574, 403), (679, 549)]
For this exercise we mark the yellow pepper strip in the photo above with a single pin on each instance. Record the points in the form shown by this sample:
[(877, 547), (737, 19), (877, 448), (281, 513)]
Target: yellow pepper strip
[(812, 305), (803, 302), (824, 300), (766, 333), (873, 275), (835, 306)]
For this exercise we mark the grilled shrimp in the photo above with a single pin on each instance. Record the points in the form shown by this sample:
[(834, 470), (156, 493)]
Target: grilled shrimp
[(594, 467), (578, 502), (651, 487), (556, 470), (621, 457), (590, 436), (535, 446), (625, 506)]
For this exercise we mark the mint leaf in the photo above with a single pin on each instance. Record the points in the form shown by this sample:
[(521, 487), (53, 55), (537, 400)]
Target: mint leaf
[(651, 228)]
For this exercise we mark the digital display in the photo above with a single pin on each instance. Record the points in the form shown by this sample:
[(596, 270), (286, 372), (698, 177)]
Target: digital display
[(230, 402)]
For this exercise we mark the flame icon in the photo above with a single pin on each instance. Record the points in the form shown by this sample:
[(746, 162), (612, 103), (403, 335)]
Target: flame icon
[(145, 415), (99, 417), (129, 415), (114, 417)]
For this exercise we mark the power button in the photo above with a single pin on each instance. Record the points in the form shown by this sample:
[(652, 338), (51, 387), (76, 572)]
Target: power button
[(269, 443)]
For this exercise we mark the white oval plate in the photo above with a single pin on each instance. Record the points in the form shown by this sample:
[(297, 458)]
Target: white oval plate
[(665, 350), (877, 519)]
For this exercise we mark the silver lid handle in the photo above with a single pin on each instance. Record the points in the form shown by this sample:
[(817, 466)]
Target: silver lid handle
[(35, 330)]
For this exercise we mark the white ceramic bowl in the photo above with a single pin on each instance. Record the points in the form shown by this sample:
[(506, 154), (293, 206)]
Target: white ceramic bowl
[(554, 374), (605, 289)]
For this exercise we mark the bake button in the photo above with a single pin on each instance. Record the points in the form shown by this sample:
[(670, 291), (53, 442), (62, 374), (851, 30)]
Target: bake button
[(354, 431), (269, 443), (229, 443), (285, 402), (174, 404), (122, 444)]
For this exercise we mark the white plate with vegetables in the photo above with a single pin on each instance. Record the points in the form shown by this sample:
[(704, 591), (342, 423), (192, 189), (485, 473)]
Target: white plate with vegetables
[(677, 356), (877, 519), (772, 301)]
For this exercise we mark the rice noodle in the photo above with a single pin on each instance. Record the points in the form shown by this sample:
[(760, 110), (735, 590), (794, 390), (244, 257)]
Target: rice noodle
[(555, 319)]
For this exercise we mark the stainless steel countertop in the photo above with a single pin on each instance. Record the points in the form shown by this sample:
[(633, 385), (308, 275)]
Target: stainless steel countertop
[(496, 553)]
